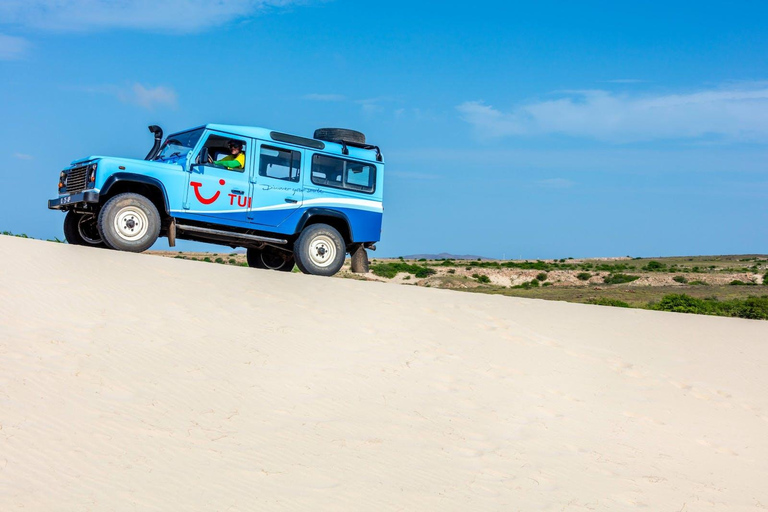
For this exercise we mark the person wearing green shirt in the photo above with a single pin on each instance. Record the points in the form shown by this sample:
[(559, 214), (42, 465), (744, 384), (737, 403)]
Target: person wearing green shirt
[(236, 158)]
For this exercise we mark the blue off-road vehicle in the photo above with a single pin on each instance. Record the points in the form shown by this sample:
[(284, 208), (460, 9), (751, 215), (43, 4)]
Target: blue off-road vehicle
[(286, 199)]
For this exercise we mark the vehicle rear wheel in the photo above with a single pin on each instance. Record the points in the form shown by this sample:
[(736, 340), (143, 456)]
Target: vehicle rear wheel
[(270, 259), (319, 250), (81, 229), (129, 222)]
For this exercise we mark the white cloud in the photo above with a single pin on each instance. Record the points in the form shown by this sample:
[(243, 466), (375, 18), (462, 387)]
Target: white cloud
[(148, 97), (166, 15), (731, 114), (367, 105), (12, 47), (23, 156), (138, 94)]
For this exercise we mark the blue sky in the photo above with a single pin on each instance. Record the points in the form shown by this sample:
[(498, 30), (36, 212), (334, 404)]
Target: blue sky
[(517, 129)]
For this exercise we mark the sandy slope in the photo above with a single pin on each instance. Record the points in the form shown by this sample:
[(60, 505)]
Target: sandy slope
[(132, 382)]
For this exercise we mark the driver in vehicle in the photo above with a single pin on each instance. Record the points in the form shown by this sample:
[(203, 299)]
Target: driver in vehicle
[(236, 158)]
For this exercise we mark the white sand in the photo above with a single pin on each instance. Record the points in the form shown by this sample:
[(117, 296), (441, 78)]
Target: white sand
[(132, 382)]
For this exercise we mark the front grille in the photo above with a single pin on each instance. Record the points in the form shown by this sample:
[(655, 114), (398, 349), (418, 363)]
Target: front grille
[(76, 180)]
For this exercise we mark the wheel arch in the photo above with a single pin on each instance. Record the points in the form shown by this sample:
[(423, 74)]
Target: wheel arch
[(151, 188), (333, 218)]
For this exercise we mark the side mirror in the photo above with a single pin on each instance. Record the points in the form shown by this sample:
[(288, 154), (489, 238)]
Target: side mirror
[(203, 158)]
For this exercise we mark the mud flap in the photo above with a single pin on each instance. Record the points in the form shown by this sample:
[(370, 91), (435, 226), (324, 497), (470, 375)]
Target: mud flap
[(359, 259)]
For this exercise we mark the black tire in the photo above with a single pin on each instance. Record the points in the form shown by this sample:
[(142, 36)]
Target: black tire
[(270, 259), (319, 250), (339, 135), (129, 222), (82, 229), (359, 260)]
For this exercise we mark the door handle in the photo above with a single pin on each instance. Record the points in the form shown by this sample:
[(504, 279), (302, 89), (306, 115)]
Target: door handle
[(235, 191), (289, 200)]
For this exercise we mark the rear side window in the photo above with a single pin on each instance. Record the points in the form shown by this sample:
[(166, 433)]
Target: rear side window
[(280, 164), (341, 173)]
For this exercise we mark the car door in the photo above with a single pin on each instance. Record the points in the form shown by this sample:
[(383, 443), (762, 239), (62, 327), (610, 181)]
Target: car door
[(216, 193), (276, 191)]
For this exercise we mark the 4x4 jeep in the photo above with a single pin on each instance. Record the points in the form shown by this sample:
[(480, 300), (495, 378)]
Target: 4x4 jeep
[(295, 199)]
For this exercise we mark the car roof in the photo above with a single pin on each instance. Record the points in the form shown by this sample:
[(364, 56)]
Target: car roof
[(256, 132)]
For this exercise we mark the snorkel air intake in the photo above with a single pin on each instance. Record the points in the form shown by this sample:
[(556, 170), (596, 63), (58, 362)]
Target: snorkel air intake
[(158, 141)]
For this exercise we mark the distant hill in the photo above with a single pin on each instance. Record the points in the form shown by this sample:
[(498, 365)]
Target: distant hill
[(446, 256)]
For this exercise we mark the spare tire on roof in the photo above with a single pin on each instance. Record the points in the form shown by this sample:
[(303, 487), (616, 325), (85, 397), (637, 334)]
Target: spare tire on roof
[(339, 135)]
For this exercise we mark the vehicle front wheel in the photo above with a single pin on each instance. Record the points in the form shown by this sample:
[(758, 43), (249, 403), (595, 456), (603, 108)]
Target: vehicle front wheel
[(270, 259), (319, 250), (81, 229), (129, 222)]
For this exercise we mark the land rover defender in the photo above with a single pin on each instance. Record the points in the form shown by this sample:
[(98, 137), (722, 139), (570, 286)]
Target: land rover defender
[(291, 200)]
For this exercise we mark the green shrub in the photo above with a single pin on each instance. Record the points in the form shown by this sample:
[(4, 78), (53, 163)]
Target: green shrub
[(9, 233), (547, 284), (451, 270), (619, 278), (422, 259), (698, 283), (681, 303), (765, 279), (207, 259), (654, 266), (407, 277), (232, 261), (529, 265), (736, 282), (483, 279), (390, 270), (534, 283), (680, 279), (219, 260), (541, 276), (604, 301), (755, 308), (583, 276)]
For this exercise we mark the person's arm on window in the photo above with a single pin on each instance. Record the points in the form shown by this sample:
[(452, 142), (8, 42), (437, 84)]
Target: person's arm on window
[(229, 164)]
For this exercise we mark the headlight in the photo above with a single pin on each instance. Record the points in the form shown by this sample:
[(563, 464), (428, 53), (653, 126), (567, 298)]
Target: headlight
[(91, 175), (62, 180)]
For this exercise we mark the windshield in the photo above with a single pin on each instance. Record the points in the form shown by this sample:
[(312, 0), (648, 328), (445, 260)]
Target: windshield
[(177, 146)]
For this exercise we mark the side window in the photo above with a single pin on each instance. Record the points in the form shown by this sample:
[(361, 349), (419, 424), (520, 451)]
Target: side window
[(225, 153), (280, 164), (340, 173), (360, 176), (327, 171)]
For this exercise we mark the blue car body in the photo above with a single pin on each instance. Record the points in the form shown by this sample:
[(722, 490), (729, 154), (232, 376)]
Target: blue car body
[(285, 181)]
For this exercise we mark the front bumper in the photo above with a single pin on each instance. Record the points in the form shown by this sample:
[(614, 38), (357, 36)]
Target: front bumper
[(67, 202)]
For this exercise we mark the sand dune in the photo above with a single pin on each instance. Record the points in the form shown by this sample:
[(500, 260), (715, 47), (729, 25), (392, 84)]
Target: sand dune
[(133, 382)]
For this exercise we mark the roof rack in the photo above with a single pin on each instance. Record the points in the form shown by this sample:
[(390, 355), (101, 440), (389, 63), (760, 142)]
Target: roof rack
[(345, 150)]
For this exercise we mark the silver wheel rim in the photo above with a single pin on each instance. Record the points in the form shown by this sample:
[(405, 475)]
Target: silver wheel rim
[(322, 251), (131, 223), (83, 232)]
